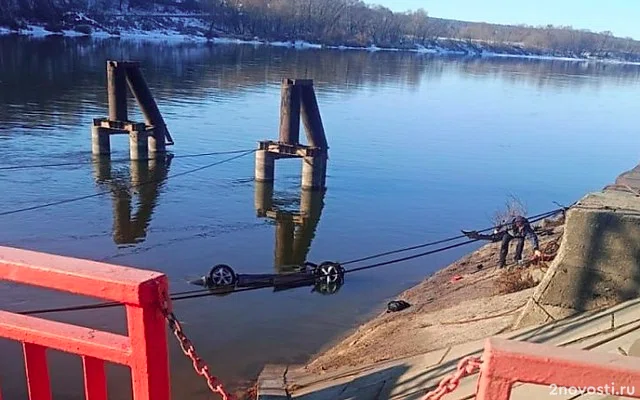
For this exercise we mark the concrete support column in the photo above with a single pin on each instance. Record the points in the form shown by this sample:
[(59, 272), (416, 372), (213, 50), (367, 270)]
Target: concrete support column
[(147, 104), (157, 143), (138, 145), (117, 91), (100, 142), (265, 166), (290, 112), (311, 118), (314, 171)]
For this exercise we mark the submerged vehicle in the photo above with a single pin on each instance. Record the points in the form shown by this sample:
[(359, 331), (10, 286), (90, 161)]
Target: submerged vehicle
[(326, 278)]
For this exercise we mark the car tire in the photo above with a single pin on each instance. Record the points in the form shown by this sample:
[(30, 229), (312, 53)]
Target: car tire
[(222, 275), (330, 272)]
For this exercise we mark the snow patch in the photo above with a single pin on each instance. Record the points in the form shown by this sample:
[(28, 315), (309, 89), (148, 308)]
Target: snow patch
[(424, 50), (70, 33), (444, 46), (220, 40), (301, 44), (281, 44), (36, 31), (297, 44), (102, 34)]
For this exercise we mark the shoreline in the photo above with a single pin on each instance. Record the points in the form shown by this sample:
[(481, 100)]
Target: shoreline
[(463, 49), (467, 300)]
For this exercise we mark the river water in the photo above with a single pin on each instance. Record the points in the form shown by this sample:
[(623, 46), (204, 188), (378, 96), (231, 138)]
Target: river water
[(420, 147)]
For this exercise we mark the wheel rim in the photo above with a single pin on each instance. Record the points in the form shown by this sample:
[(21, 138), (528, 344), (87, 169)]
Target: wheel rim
[(222, 277), (330, 273)]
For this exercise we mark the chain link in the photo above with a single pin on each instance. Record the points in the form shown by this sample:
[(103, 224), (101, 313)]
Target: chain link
[(198, 364), (467, 366)]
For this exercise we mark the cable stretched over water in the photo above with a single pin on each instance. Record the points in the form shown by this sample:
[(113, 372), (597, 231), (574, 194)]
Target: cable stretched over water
[(197, 293), (72, 200), (95, 306), (120, 160), (534, 218)]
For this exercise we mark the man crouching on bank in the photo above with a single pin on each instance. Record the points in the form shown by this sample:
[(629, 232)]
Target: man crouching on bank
[(518, 228)]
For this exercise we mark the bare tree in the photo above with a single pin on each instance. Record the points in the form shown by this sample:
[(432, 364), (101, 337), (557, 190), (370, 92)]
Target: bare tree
[(513, 207)]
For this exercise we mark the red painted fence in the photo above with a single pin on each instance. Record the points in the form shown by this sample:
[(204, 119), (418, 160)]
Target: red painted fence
[(144, 350), (506, 362)]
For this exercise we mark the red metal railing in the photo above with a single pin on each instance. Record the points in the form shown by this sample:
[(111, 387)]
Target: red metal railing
[(506, 362), (144, 350), (563, 370)]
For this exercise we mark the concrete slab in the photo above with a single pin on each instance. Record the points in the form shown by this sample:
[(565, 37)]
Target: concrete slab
[(411, 378), (450, 360), (598, 264), (271, 384), (303, 382), (368, 392)]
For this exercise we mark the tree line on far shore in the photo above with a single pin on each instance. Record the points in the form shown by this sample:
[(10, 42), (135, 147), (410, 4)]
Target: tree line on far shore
[(333, 22), (358, 23)]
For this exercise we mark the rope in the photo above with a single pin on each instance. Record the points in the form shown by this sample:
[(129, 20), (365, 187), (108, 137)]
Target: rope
[(207, 292), (71, 163), (94, 306), (534, 218), (66, 201), (407, 258)]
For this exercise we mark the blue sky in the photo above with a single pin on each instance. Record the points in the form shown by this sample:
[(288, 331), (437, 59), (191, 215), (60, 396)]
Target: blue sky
[(618, 16)]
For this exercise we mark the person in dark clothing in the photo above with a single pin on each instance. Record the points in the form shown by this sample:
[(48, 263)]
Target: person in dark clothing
[(518, 228)]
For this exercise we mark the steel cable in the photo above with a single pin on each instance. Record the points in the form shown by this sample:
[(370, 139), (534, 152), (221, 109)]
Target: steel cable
[(534, 218), (120, 160), (192, 294), (66, 201)]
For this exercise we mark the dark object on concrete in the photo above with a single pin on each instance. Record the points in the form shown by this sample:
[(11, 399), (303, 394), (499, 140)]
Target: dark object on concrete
[(397, 305), (326, 278)]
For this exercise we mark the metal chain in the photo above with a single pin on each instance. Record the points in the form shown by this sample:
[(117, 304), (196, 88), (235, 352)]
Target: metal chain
[(198, 364), (466, 366)]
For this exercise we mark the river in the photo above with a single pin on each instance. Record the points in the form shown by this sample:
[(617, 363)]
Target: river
[(420, 147)]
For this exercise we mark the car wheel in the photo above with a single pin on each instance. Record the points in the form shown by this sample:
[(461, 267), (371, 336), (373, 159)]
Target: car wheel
[(330, 272), (326, 289), (222, 275)]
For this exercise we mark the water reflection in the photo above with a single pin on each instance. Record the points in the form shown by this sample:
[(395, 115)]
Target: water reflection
[(294, 229), (144, 181), (54, 85)]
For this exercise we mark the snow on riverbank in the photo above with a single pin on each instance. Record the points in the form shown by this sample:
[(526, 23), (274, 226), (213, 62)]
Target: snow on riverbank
[(441, 46)]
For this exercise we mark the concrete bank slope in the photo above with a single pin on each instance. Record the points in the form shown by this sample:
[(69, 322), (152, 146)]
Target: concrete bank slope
[(615, 330), (598, 264), (587, 298)]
